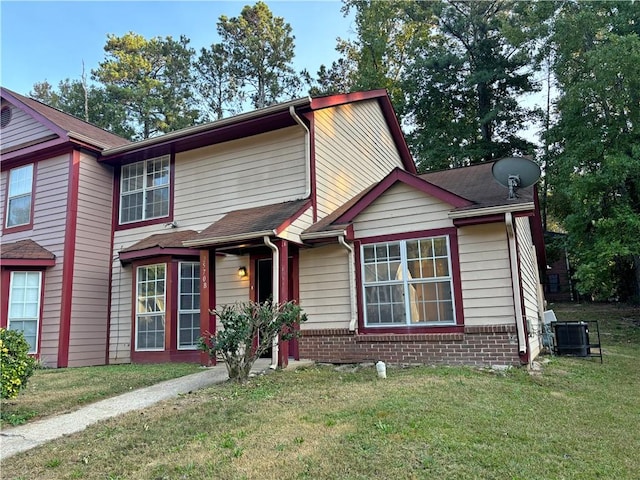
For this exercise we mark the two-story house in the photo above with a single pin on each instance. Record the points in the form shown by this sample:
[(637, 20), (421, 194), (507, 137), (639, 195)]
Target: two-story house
[(55, 203), (315, 200)]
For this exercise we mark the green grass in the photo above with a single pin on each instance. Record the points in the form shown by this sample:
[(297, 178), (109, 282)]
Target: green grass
[(52, 391), (577, 419)]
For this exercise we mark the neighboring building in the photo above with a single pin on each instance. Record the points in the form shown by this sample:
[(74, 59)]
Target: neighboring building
[(558, 286), (318, 201), (55, 202)]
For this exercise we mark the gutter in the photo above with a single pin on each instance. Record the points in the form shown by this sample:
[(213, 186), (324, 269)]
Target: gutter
[(352, 283), (228, 239), (515, 284), (307, 152), (275, 269), (185, 132), (479, 212), (322, 234)]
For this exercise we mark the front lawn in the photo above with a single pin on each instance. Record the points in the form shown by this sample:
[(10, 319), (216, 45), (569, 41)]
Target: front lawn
[(577, 419), (51, 391)]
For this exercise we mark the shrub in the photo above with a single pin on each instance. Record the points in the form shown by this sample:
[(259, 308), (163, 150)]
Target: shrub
[(17, 366), (242, 324)]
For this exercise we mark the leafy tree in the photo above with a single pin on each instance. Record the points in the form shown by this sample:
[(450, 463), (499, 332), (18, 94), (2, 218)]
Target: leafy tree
[(465, 81), (258, 49), (152, 79), (248, 331), (596, 187), (455, 71), (378, 56)]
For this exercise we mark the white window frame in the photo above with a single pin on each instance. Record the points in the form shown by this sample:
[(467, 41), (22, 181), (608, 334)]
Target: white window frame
[(405, 281), (36, 318), (12, 195), (146, 187), (157, 300), (184, 310)]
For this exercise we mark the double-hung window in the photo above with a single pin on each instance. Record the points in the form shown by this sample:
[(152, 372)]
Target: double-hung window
[(188, 305), (408, 283), (19, 196), (144, 190), (24, 305), (150, 310)]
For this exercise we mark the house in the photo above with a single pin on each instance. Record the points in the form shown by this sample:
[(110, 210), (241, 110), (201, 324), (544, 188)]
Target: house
[(315, 200), (55, 202)]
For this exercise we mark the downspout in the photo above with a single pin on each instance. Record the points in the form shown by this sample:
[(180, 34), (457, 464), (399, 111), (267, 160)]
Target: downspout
[(515, 284), (275, 269), (307, 152), (352, 283)]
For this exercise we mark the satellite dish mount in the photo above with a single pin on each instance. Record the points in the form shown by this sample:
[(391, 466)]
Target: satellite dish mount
[(515, 173)]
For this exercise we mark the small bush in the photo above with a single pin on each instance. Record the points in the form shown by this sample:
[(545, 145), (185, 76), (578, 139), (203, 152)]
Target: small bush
[(17, 366), (242, 324)]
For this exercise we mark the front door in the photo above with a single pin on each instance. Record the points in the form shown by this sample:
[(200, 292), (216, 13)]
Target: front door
[(264, 291), (264, 287)]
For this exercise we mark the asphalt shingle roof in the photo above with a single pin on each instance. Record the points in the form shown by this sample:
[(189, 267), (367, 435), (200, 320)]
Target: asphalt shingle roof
[(24, 250)]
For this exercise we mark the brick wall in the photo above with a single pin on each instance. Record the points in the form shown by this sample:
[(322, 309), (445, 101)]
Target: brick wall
[(486, 345)]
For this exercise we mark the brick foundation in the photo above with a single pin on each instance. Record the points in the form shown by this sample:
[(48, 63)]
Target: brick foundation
[(478, 345)]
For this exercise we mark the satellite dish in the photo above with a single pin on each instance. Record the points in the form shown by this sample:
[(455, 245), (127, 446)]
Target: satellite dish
[(514, 173)]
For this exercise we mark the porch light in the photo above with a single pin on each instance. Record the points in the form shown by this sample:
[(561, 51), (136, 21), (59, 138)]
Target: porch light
[(242, 272)]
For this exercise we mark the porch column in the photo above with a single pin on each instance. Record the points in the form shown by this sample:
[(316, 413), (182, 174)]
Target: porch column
[(283, 294), (207, 298)]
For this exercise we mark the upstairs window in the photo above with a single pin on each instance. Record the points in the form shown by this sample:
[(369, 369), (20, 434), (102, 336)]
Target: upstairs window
[(144, 190), (408, 283), (19, 196)]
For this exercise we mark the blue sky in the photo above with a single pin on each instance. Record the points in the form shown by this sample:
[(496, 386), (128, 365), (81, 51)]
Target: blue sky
[(50, 39)]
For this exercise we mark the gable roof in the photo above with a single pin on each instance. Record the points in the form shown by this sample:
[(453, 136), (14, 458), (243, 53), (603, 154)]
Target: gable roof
[(466, 189), (249, 223), (25, 253), (67, 127), (258, 121), (477, 184)]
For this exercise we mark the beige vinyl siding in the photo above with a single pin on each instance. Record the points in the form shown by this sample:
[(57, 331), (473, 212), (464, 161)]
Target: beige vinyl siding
[(49, 220), (88, 335), (259, 170), (121, 312), (487, 295), (23, 131), (529, 282), (230, 288), (324, 287), (293, 231), (353, 150), (402, 209)]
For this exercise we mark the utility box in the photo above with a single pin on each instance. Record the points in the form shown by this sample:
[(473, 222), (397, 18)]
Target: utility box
[(572, 338)]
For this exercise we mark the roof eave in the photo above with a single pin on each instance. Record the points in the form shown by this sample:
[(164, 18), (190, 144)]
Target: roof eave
[(228, 239), (184, 133), (483, 211)]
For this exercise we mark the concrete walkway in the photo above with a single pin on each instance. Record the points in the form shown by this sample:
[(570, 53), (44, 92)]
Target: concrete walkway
[(26, 437)]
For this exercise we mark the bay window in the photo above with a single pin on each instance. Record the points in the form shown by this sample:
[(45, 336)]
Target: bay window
[(24, 305), (150, 310), (19, 196), (408, 283), (144, 190)]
